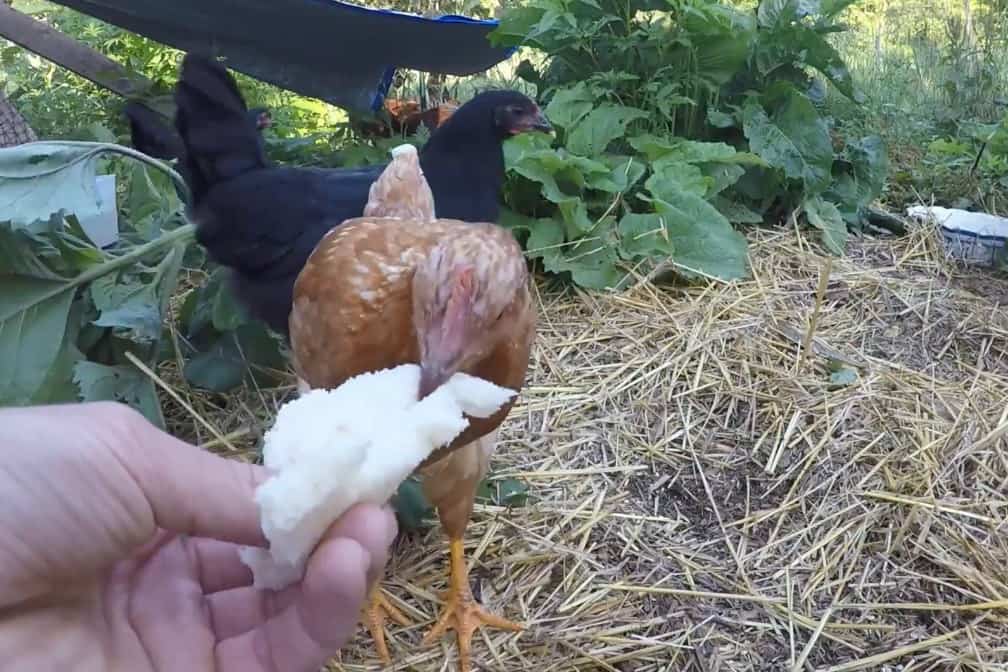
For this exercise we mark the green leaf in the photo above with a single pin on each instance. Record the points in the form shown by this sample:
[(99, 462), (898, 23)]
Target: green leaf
[(593, 265), (517, 147), (507, 492), (598, 128), (703, 241), (543, 167), (125, 383), (218, 369), (150, 198), (570, 105), (227, 313), (644, 235), (234, 357), (575, 216), (822, 56), (546, 241), (691, 151), (131, 306), (625, 172), (721, 176), (33, 321), (824, 216), (871, 166), (30, 175), (796, 140), (410, 505), (671, 178), (515, 25)]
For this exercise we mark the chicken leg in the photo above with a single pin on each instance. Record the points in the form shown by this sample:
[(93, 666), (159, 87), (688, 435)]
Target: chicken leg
[(461, 610), (450, 485), (378, 607)]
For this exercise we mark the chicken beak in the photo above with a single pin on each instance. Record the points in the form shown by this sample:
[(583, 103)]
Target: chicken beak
[(441, 359), (536, 121)]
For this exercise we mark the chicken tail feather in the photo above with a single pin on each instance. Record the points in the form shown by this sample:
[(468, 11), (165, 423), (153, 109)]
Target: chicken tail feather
[(220, 139), (150, 133)]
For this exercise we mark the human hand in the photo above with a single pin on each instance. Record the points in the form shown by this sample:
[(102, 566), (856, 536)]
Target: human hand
[(119, 551)]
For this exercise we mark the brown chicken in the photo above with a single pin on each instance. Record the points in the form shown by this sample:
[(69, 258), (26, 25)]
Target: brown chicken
[(400, 286)]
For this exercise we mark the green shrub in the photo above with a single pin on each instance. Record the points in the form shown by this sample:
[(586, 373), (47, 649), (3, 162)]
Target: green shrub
[(676, 120)]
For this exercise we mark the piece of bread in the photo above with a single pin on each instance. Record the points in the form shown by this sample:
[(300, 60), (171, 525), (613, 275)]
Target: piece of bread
[(331, 449)]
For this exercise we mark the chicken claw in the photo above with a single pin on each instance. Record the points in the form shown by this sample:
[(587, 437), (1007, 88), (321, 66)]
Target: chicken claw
[(462, 612), (377, 609)]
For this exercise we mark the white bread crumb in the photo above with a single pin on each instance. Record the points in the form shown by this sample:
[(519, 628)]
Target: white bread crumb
[(331, 449)]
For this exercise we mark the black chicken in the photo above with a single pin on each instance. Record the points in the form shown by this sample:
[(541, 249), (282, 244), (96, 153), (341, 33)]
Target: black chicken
[(151, 134), (263, 221)]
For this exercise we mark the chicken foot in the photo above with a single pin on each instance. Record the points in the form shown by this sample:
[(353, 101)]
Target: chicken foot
[(461, 610), (378, 607)]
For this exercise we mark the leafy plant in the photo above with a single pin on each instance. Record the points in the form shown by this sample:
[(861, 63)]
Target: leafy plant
[(69, 311), (675, 121)]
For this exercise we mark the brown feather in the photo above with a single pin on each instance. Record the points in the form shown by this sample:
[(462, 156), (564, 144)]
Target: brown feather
[(353, 306)]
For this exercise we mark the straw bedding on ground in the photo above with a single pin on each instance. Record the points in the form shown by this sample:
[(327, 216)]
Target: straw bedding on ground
[(705, 497)]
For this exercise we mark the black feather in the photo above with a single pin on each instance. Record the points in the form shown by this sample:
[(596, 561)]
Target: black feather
[(263, 221)]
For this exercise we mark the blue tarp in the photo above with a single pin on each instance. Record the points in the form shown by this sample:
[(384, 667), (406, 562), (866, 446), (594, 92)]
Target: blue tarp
[(341, 53)]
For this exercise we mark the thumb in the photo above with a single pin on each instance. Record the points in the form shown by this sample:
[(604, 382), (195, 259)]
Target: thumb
[(189, 490)]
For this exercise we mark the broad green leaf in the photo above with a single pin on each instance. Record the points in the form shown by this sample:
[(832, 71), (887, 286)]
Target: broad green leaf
[(824, 216), (719, 58), (796, 140), (644, 235), (721, 176), (671, 178), (598, 128), (575, 216), (517, 147), (227, 313), (504, 492), (233, 357), (543, 167), (410, 505), (54, 250), (625, 172), (32, 173), (151, 197), (125, 383), (691, 151), (219, 369), (592, 264), (33, 321), (822, 56), (703, 241), (509, 219), (569, 106), (871, 166), (546, 239), (132, 306)]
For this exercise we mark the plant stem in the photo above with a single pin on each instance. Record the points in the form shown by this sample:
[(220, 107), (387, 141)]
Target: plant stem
[(137, 253)]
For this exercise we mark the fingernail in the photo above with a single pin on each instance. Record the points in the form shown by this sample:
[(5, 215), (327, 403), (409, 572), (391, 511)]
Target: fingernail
[(391, 526)]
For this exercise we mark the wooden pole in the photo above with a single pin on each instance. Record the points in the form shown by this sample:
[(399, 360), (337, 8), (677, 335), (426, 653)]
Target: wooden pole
[(52, 45)]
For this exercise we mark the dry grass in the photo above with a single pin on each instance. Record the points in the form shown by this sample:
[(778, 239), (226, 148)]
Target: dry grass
[(705, 500)]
